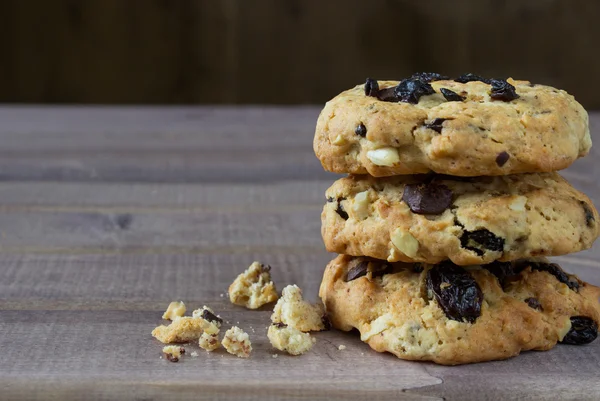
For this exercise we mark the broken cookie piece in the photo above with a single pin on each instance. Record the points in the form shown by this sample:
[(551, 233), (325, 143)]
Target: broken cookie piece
[(289, 339), (292, 310), (237, 342), (209, 342), (173, 352), (253, 288), (182, 330), (174, 310)]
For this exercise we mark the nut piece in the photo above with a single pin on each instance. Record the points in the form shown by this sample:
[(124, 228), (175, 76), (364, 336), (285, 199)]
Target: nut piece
[(339, 141), (289, 339), (518, 204), (182, 330), (360, 206), (384, 156), (405, 242), (294, 311), (173, 352), (253, 288), (237, 342), (176, 309), (209, 342)]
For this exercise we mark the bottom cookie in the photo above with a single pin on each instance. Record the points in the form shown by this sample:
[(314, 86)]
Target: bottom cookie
[(453, 315)]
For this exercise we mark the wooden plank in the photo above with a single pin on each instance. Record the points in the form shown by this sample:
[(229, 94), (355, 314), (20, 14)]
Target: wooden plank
[(110, 51), (158, 144)]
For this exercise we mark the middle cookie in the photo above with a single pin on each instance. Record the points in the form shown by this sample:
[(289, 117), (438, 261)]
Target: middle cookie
[(431, 218)]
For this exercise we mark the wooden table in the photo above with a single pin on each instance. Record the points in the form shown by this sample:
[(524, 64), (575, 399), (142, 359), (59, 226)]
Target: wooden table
[(108, 214)]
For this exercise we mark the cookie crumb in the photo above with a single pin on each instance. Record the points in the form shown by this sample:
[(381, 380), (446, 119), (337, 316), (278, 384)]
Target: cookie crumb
[(209, 342), (342, 347), (181, 330), (253, 288), (237, 342), (212, 321), (175, 310), (221, 295), (294, 311), (289, 339), (173, 352), (194, 354), (274, 355)]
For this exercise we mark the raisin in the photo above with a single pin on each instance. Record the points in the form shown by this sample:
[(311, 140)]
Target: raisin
[(417, 268), (589, 215), (361, 130), (211, 317), (340, 209), (429, 198), (411, 90), (428, 76), (583, 331), (371, 87), (481, 240), (502, 90), (436, 125), (551, 268), (456, 291), (388, 95), (534, 304), (502, 158), (502, 270), (463, 79), (451, 96)]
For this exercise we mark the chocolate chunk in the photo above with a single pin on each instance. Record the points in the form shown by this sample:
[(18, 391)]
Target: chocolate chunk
[(388, 95), (480, 241), (280, 325), (428, 76), (361, 130), (326, 322), (436, 125), (502, 90), (371, 87), (456, 291), (360, 267), (330, 199), (358, 270), (583, 331), (589, 215), (411, 90), (463, 79), (429, 198), (451, 96), (534, 304), (502, 158), (211, 317), (502, 270), (551, 268), (171, 358), (340, 209)]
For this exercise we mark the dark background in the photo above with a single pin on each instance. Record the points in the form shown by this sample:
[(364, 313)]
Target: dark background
[(284, 51)]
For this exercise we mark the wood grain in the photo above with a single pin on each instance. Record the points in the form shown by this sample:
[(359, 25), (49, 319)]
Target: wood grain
[(108, 214), (283, 52)]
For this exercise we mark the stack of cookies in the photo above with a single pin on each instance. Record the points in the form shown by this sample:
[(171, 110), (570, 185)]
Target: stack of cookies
[(451, 206)]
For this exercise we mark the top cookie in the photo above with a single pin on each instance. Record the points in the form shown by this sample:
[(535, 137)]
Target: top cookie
[(474, 128)]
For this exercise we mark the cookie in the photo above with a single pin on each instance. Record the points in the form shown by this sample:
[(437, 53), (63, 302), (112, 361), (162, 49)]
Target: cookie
[(431, 218), (453, 315), (472, 128)]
